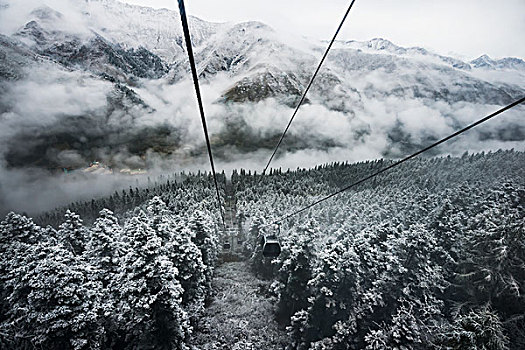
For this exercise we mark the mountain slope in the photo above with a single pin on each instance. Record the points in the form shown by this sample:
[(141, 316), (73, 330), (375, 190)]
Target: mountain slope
[(371, 95)]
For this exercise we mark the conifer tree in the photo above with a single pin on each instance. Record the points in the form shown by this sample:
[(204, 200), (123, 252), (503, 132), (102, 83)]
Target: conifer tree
[(150, 293), (105, 247), (296, 271), (53, 302), (73, 233), (207, 242), (17, 234), (478, 329)]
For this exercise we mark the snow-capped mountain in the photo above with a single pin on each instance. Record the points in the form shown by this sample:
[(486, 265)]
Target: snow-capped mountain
[(117, 79), (504, 63)]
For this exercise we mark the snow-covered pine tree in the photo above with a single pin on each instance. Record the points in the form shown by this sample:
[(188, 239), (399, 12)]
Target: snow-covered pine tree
[(178, 246), (204, 237), (53, 302), (105, 247), (478, 329), (73, 233), (18, 228), (492, 268), (17, 234), (187, 258), (296, 270), (149, 312)]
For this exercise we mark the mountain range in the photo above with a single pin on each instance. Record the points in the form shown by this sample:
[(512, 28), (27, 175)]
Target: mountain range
[(102, 80)]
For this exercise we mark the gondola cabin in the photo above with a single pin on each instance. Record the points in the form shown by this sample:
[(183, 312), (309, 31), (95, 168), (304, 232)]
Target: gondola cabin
[(226, 245), (271, 247)]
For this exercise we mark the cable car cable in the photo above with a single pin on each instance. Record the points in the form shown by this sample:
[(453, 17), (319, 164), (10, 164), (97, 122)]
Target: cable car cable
[(187, 38), (498, 112), (308, 87)]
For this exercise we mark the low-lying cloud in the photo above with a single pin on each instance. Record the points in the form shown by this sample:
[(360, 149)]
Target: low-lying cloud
[(76, 105)]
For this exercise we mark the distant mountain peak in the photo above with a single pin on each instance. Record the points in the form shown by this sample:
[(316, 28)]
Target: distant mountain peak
[(484, 61), (381, 44), (254, 25), (45, 12)]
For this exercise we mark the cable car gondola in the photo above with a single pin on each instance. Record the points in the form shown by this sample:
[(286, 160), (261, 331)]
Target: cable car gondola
[(271, 247)]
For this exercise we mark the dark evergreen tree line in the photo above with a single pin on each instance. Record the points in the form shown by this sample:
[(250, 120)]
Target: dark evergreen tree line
[(178, 191)]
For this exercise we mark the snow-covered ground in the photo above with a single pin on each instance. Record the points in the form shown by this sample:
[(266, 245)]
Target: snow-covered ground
[(241, 315)]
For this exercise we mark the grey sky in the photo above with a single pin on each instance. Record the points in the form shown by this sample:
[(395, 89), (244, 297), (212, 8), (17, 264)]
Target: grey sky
[(466, 27)]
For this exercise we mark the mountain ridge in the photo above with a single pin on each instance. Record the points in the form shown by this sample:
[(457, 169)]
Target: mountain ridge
[(137, 55)]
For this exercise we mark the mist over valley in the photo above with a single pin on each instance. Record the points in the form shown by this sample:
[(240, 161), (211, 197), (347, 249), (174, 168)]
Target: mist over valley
[(109, 82)]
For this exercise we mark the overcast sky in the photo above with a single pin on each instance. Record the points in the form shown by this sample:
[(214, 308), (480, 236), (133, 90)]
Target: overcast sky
[(465, 27)]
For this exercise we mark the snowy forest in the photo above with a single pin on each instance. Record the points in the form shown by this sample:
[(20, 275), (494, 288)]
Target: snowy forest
[(430, 255)]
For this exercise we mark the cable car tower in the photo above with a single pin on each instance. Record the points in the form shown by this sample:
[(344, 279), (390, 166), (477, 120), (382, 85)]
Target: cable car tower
[(232, 237)]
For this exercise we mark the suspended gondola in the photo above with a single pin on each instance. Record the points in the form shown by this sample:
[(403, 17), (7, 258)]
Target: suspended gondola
[(271, 247)]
